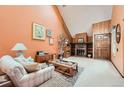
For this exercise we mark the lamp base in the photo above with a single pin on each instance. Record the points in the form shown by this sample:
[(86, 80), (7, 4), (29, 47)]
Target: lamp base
[(19, 53)]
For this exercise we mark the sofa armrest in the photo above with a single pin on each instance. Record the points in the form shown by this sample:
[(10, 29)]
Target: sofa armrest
[(36, 78), (15, 74)]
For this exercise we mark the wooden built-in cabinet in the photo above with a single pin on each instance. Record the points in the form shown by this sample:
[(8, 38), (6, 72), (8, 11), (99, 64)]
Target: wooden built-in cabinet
[(83, 48), (102, 40), (78, 36)]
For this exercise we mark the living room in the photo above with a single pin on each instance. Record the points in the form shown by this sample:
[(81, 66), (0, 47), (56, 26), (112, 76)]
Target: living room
[(42, 35)]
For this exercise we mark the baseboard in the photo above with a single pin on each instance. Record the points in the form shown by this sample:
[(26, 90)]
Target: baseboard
[(117, 69)]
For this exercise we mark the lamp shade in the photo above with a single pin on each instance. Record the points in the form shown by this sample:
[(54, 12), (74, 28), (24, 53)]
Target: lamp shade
[(19, 46)]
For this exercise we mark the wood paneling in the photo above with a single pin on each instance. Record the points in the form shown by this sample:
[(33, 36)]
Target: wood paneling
[(101, 27), (83, 36), (102, 40), (90, 39)]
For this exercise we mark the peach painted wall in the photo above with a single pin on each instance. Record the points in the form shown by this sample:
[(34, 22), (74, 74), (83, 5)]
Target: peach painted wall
[(16, 26), (117, 18)]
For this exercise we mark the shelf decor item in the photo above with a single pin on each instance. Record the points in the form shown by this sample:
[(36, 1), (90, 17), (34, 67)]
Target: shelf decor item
[(80, 40), (118, 33), (39, 31)]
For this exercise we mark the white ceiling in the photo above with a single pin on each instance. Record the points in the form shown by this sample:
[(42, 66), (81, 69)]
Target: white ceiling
[(79, 18)]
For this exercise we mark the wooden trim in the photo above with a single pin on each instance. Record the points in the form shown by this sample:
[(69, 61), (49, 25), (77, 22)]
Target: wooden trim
[(117, 69), (62, 22)]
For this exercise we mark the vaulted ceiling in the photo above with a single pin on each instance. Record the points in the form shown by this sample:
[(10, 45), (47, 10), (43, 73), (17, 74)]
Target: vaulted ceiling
[(79, 18)]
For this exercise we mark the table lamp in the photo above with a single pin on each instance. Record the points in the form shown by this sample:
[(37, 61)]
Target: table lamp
[(19, 47)]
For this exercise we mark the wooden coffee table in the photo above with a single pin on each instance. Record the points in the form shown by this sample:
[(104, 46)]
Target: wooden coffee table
[(65, 67)]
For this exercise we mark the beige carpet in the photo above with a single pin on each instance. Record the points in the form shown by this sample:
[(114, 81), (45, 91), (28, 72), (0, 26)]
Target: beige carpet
[(60, 80), (97, 73)]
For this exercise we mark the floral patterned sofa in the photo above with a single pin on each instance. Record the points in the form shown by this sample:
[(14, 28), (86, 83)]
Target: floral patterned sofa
[(19, 75)]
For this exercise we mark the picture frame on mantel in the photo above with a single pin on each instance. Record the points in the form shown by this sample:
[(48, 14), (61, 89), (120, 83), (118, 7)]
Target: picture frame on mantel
[(80, 40), (39, 31)]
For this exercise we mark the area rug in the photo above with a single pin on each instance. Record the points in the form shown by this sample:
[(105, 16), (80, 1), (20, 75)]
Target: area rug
[(60, 80)]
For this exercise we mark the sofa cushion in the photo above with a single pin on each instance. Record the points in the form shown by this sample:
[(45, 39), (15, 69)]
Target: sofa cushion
[(1, 72), (20, 59), (33, 66), (7, 64), (23, 59), (30, 66), (30, 59)]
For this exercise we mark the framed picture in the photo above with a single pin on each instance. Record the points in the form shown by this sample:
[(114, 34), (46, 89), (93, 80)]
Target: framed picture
[(51, 41), (49, 32), (80, 40), (39, 31)]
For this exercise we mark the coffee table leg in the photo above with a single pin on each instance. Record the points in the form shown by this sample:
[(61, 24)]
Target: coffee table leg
[(71, 72), (77, 68)]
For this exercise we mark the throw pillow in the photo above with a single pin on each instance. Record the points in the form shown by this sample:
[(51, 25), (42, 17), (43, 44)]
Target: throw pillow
[(30, 59), (31, 67), (20, 59), (23, 59), (29, 64)]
